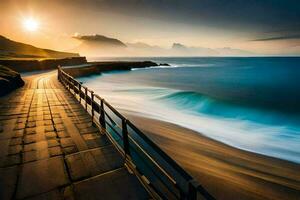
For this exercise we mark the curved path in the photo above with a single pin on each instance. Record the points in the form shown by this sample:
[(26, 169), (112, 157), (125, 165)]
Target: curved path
[(49, 148)]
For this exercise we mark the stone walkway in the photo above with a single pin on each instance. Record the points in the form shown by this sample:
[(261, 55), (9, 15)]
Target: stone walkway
[(49, 148)]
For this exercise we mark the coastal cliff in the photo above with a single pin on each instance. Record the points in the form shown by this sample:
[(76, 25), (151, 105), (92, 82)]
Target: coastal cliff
[(9, 80), (99, 67)]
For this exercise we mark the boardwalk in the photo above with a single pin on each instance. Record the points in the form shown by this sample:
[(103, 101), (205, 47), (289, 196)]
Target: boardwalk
[(49, 148)]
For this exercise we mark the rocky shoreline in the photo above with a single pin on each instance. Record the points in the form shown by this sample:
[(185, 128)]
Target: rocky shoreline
[(9, 80), (10, 69), (99, 67)]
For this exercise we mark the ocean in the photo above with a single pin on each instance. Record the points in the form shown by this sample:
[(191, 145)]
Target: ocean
[(249, 103)]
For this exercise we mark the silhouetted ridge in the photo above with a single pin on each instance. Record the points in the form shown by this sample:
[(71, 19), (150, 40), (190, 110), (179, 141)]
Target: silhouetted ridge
[(10, 48), (100, 39)]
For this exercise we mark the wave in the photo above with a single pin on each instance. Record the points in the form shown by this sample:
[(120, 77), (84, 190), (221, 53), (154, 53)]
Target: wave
[(244, 128), (197, 103), (154, 67), (199, 100), (171, 66)]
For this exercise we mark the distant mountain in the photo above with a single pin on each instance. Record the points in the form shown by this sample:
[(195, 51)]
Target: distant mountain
[(100, 40), (144, 49), (227, 51), (141, 45), (180, 49), (13, 49), (179, 46), (95, 45), (99, 45), (202, 51)]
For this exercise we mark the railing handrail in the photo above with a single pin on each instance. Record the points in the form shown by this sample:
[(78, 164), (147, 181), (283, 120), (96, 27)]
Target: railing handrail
[(193, 185)]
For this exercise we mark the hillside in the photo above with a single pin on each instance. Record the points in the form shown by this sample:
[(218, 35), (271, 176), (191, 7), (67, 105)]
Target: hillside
[(13, 49)]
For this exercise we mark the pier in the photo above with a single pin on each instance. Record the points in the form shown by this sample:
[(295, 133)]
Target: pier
[(60, 140)]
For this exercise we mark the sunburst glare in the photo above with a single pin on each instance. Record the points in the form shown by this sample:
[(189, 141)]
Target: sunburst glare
[(30, 24)]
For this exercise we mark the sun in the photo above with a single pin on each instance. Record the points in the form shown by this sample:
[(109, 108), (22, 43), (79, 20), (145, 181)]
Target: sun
[(31, 24)]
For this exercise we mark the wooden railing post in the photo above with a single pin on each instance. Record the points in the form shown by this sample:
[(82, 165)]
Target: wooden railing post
[(192, 195), (65, 81), (63, 78), (182, 195), (70, 86), (68, 83), (73, 86), (125, 137), (76, 86), (85, 98), (79, 87), (58, 73), (102, 115), (92, 104)]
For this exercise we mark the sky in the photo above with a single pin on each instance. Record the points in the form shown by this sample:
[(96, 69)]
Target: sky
[(261, 26)]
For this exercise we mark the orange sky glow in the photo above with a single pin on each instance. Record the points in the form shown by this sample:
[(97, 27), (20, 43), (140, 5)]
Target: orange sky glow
[(58, 22)]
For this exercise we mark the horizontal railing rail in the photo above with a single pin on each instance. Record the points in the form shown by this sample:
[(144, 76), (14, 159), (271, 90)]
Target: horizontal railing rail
[(162, 176)]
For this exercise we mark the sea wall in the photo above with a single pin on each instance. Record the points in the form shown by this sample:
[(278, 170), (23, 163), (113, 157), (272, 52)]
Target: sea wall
[(99, 67), (45, 64)]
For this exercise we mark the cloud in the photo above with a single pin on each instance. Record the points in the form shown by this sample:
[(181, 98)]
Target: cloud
[(286, 37), (253, 15)]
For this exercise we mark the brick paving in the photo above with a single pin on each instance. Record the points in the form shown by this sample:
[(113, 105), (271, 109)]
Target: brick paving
[(49, 148)]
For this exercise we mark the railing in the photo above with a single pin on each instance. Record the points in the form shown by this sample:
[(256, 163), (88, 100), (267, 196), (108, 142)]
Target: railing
[(161, 175)]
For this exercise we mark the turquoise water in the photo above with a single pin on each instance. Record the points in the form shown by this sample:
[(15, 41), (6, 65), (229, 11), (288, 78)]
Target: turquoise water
[(249, 103)]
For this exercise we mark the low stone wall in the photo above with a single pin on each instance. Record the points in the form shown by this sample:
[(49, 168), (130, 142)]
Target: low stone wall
[(32, 65)]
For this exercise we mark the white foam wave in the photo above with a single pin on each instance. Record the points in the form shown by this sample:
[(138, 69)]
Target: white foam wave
[(243, 134), (172, 66)]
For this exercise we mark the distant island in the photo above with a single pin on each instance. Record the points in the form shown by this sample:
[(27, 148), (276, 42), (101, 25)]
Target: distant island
[(100, 39)]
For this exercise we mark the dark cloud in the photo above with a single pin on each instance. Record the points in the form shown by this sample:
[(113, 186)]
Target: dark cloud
[(287, 37), (243, 15)]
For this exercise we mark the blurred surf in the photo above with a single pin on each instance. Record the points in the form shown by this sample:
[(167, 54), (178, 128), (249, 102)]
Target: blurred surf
[(249, 103)]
